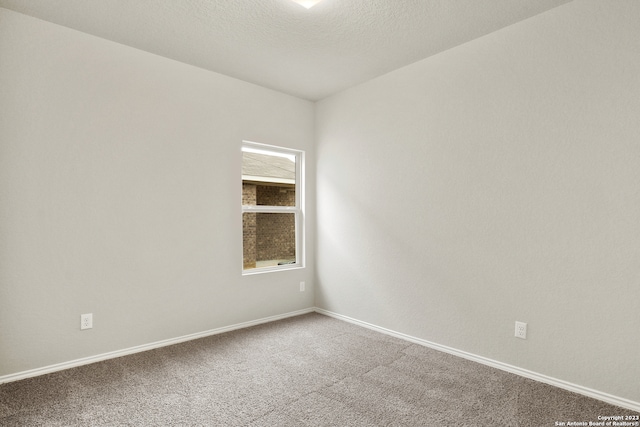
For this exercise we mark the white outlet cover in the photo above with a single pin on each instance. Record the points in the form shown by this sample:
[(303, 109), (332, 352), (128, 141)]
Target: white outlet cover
[(86, 321), (521, 330)]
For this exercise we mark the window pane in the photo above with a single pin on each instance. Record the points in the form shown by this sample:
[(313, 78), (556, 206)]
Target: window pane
[(269, 239), (268, 180)]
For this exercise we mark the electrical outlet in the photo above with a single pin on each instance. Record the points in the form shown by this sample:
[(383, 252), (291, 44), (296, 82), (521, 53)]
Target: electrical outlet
[(86, 321), (301, 286), (521, 330)]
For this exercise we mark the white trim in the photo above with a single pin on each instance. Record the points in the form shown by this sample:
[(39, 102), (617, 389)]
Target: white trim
[(585, 391), (269, 209), (271, 269), (140, 348), (268, 179)]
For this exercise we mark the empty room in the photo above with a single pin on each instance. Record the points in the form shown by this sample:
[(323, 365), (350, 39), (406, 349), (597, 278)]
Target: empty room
[(320, 213)]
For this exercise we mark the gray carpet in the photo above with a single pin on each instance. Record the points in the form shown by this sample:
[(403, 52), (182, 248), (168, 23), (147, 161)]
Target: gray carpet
[(309, 370)]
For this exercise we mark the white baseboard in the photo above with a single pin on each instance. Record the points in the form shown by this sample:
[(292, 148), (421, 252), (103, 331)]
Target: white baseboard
[(605, 397), (137, 349)]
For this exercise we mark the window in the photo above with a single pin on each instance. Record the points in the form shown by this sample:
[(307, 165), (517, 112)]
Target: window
[(272, 208)]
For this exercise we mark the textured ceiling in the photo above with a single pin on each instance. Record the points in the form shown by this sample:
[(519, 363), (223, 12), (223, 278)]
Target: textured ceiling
[(280, 44)]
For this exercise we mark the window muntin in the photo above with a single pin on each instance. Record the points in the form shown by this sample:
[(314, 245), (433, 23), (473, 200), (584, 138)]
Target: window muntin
[(272, 214)]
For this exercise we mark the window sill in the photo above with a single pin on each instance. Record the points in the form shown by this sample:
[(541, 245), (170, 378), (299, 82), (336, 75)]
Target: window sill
[(261, 270)]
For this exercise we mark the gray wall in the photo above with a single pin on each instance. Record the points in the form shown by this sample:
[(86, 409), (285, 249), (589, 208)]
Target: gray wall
[(120, 189), (495, 182)]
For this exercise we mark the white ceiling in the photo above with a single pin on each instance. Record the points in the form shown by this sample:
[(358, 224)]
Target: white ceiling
[(280, 44)]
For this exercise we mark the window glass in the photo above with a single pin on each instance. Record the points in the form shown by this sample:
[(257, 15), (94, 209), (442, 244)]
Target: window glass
[(269, 239), (270, 179)]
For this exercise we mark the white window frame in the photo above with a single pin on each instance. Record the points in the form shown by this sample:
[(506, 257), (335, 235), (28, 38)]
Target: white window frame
[(297, 210)]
